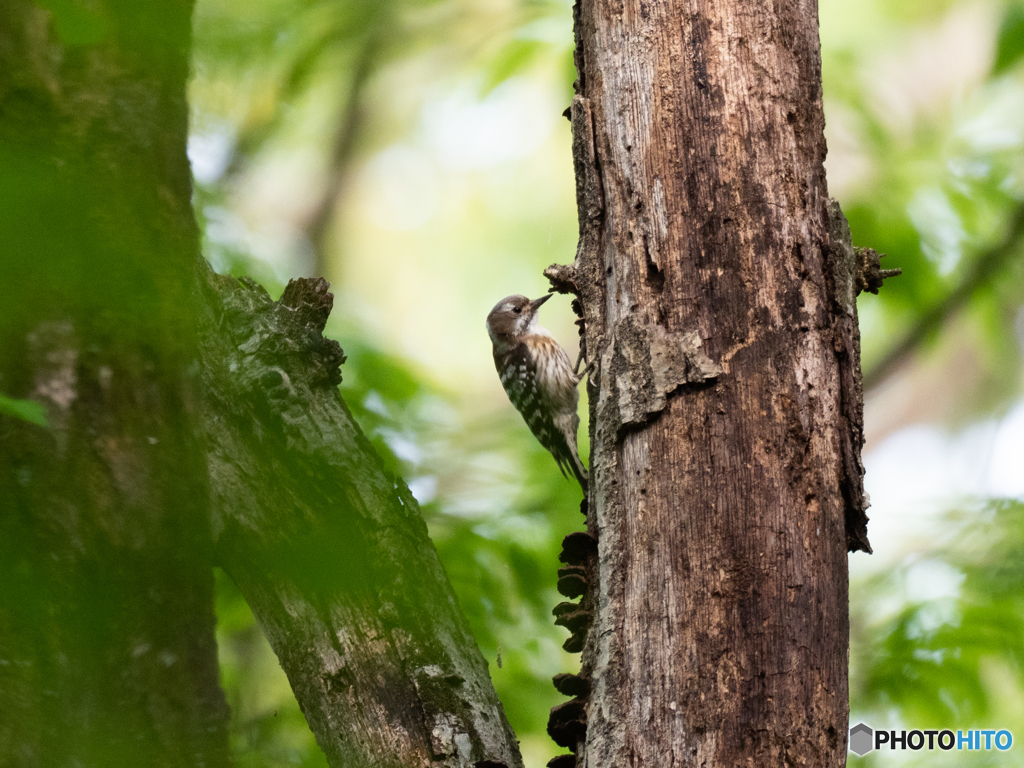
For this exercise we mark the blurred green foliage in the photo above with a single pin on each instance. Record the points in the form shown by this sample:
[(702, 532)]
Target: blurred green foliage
[(1010, 44), (929, 657), (925, 107), (956, 659), (75, 24)]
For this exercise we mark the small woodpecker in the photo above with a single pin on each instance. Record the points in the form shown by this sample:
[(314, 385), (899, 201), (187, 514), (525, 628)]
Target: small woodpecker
[(538, 378)]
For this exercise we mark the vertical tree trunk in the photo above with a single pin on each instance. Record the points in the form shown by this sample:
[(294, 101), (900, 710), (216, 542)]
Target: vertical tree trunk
[(107, 651), (724, 398)]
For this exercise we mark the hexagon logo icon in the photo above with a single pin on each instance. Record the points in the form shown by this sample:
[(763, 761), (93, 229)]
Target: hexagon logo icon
[(861, 739)]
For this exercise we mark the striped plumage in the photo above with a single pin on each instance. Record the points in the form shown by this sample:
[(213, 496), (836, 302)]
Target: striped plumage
[(538, 378)]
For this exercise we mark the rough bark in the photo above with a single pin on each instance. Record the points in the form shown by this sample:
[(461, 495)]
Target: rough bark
[(724, 399), (107, 652), (330, 552)]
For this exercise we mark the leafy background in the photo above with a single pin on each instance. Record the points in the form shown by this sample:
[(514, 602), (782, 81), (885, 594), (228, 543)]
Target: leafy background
[(414, 152)]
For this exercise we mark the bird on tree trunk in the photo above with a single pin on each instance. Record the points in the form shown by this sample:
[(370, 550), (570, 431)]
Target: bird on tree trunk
[(538, 378)]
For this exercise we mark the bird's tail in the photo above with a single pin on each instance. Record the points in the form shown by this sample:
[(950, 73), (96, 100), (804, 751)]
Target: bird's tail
[(576, 465), (580, 472)]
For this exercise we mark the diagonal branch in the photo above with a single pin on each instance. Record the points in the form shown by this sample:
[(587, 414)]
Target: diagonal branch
[(331, 552), (985, 267)]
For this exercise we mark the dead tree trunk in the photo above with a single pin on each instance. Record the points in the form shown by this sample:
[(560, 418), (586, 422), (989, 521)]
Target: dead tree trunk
[(724, 401)]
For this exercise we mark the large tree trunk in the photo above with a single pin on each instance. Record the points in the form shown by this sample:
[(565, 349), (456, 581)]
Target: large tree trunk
[(724, 401), (107, 652)]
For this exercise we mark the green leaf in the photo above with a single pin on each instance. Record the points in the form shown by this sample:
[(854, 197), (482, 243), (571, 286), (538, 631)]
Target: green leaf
[(26, 410), (1010, 45)]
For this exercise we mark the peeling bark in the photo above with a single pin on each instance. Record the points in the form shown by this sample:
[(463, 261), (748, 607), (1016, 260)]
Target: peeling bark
[(852, 271), (652, 364), (726, 477)]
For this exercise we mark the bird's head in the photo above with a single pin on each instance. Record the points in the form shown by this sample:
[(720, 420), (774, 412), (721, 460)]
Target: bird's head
[(513, 317)]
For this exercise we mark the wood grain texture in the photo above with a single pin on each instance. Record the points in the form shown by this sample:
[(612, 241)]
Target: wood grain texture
[(720, 482)]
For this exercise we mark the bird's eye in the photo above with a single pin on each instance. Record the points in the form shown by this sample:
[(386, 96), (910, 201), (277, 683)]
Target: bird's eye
[(517, 310)]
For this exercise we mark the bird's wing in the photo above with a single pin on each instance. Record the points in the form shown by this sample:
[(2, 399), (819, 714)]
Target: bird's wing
[(524, 385)]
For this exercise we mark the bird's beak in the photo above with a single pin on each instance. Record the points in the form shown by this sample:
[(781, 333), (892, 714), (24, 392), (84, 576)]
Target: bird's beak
[(535, 304)]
